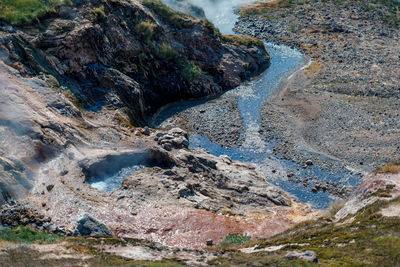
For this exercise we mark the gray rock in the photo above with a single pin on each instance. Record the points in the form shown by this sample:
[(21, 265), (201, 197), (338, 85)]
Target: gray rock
[(307, 255), (167, 146), (146, 131), (88, 226)]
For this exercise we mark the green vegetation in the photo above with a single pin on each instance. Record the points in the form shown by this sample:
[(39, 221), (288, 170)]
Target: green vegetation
[(243, 41), (191, 72), (99, 12), (18, 12), (210, 26), (236, 239), (166, 53), (85, 251), (174, 18), (369, 240), (146, 30), (22, 234)]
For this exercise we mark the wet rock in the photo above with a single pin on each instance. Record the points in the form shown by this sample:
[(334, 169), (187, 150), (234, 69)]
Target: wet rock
[(88, 226), (307, 255)]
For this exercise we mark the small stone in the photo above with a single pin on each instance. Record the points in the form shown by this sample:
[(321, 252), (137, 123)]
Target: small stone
[(309, 162), (209, 242), (146, 131), (314, 189), (50, 187)]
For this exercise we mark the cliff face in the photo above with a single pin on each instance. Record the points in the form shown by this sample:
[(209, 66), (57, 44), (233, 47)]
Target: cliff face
[(130, 55)]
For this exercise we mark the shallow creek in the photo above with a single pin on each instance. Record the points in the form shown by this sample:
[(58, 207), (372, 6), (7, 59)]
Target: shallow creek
[(252, 146)]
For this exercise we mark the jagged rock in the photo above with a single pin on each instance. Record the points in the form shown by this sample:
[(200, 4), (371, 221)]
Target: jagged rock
[(88, 226), (110, 62)]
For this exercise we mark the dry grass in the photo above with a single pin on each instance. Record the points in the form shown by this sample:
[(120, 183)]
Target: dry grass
[(389, 168), (314, 68)]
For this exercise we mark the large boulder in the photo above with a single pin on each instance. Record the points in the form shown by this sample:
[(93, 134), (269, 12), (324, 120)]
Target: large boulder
[(88, 226)]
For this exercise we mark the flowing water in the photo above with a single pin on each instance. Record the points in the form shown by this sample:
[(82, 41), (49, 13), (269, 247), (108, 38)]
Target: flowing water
[(252, 146)]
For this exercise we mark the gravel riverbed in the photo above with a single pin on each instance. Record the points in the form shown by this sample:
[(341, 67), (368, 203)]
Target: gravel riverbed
[(343, 110)]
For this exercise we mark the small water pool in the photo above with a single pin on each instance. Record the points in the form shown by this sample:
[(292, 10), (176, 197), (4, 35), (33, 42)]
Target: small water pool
[(108, 172)]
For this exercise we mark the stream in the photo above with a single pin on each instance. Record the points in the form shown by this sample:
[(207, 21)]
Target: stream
[(309, 183), (252, 146)]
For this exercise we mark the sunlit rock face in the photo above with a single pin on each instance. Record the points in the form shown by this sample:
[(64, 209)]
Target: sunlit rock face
[(71, 154), (132, 56)]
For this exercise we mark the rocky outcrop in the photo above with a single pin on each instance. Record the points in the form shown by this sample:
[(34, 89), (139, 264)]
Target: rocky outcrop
[(88, 226), (129, 55), (375, 187)]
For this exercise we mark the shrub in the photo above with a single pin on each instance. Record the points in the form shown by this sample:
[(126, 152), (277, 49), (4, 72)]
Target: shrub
[(165, 52), (22, 234), (18, 12), (146, 30), (236, 239), (99, 12), (191, 72)]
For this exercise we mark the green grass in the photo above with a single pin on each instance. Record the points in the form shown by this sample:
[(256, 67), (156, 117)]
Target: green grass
[(18, 12), (99, 12), (174, 18), (22, 234), (244, 41), (191, 72), (236, 239), (370, 240)]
